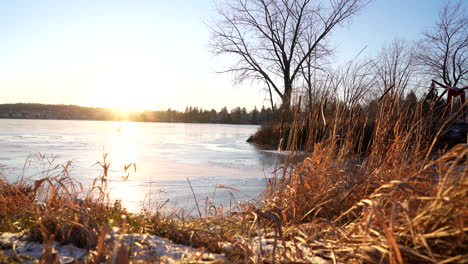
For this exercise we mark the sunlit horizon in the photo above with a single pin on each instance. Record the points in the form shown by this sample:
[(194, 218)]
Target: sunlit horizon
[(148, 55)]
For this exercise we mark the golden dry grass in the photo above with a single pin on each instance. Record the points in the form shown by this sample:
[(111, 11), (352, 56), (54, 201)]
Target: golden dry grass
[(384, 199)]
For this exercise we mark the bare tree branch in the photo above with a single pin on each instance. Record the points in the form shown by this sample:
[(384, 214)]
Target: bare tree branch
[(443, 51), (271, 39), (394, 66)]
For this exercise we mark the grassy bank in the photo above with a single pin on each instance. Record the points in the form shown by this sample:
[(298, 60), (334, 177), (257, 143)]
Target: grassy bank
[(360, 195), (398, 212)]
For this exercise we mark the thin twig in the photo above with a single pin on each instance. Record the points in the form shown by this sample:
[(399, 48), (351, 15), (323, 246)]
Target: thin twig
[(195, 198)]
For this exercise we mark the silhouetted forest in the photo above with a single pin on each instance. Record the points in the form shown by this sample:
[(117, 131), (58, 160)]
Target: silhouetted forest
[(191, 114)]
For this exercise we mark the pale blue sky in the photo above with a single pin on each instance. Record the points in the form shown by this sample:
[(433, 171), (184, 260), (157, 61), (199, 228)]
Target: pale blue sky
[(152, 54)]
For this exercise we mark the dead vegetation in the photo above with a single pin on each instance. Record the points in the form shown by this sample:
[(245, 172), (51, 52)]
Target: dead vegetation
[(399, 202), (56, 208), (394, 201)]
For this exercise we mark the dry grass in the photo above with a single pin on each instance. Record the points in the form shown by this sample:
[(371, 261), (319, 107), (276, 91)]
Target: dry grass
[(56, 208), (392, 205), (369, 190)]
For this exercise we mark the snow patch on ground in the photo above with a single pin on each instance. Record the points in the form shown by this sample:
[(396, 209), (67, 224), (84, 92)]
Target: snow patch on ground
[(137, 247)]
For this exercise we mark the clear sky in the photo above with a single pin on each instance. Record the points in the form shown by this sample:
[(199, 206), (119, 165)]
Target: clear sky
[(152, 54)]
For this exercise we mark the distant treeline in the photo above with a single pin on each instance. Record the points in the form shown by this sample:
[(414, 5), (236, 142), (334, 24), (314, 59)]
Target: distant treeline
[(191, 114)]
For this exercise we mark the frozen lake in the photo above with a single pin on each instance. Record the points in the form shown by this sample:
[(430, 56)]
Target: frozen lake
[(165, 154)]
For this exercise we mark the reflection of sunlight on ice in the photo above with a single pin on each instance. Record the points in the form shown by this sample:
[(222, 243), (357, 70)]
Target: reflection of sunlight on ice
[(123, 167), (136, 197), (123, 148), (128, 194)]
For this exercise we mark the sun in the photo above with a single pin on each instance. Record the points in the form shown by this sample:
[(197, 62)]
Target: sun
[(124, 99), (114, 94), (124, 91)]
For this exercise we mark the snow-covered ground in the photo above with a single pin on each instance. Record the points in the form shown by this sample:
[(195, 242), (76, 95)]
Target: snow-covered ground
[(135, 247)]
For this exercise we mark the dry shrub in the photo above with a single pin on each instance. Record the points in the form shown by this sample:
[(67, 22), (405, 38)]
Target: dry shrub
[(411, 220), (61, 215), (391, 205), (16, 201), (270, 135), (313, 188), (350, 153), (14, 198), (56, 208)]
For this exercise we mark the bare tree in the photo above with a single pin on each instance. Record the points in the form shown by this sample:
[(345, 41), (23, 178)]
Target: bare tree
[(443, 51), (265, 37), (312, 65), (394, 66)]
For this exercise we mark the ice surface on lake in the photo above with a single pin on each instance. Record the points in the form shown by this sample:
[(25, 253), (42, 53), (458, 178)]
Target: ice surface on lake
[(165, 154)]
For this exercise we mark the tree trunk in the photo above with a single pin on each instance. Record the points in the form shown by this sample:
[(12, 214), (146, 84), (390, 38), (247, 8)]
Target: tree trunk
[(309, 88), (287, 96), (286, 106)]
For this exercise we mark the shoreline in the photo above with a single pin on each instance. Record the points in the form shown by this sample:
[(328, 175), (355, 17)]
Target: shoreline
[(51, 223)]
